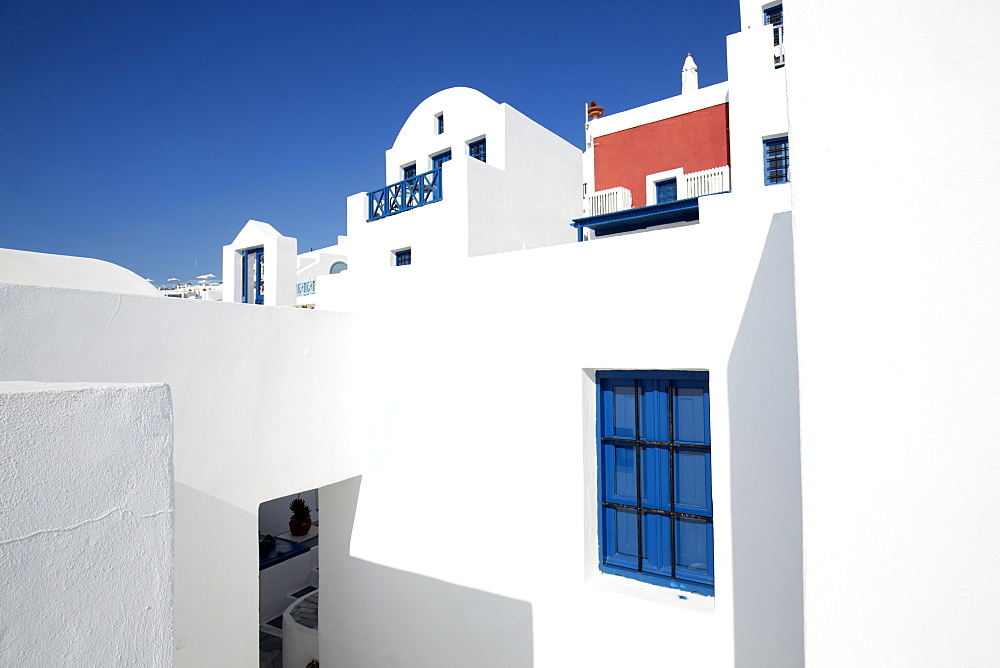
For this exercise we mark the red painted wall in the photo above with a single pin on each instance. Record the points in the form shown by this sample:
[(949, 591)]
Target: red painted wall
[(695, 141)]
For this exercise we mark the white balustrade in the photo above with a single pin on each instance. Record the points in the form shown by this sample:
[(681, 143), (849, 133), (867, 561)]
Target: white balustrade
[(607, 201), (707, 182)]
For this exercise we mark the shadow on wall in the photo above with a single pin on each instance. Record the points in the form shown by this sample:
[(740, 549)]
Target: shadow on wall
[(372, 615), (765, 461)]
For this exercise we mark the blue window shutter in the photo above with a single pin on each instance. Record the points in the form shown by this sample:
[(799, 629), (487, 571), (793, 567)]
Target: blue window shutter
[(621, 537), (655, 410), (655, 477), (693, 481), (619, 473), (657, 556), (691, 412), (409, 171), (666, 191), (695, 549), (619, 409)]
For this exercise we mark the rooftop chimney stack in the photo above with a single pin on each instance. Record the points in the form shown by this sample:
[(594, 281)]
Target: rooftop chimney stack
[(689, 76)]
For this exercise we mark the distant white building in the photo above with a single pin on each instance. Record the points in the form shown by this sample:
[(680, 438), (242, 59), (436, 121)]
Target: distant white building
[(727, 409)]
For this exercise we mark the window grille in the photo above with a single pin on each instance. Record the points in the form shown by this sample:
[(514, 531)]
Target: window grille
[(402, 257), (666, 191), (477, 150), (776, 160), (655, 478)]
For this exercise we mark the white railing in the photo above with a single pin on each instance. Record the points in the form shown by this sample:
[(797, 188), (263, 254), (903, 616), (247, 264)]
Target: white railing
[(607, 201), (707, 182)]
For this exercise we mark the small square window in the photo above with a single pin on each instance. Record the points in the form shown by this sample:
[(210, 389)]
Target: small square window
[(666, 191), (477, 149), (402, 257), (439, 123), (409, 171), (776, 160)]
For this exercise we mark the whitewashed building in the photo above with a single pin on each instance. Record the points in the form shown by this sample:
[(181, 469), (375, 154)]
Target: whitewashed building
[(747, 425)]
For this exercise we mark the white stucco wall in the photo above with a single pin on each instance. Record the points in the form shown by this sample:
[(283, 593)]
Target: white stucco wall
[(280, 264), (897, 296), (258, 414), (523, 196), (64, 271), (473, 540), (86, 542)]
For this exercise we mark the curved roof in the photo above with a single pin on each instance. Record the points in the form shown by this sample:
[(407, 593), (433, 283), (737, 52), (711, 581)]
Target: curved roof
[(469, 101), (64, 271)]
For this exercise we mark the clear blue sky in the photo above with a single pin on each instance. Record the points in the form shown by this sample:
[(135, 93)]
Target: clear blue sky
[(147, 133)]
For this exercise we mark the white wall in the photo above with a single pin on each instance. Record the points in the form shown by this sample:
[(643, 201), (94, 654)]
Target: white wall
[(473, 539), (259, 413), (86, 542), (280, 264), (757, 106), (523, 196), (897, 297)]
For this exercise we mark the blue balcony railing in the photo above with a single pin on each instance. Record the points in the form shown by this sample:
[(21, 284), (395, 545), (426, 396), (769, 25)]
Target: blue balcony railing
[(407, 194)]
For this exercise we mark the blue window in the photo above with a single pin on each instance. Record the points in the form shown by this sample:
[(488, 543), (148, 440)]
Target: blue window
[(440, 123), (409, 171), (253, 276), (776, 160), (402, 257), (774, 17), (440, 159), (477, 150), (666, 191), (655, 478)]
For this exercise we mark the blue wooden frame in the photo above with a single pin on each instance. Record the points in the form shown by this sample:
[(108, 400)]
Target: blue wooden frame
[(658, 529), (477, 149), (404, 195), (776, 161), (253, 258)]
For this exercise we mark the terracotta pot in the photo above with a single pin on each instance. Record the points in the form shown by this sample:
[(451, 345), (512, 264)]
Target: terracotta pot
[(300, 527)]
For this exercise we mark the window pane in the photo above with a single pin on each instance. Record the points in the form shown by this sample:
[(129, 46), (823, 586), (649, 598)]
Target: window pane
[(624, 468), (621, 538), (693, 482), (656, 477), (694, 549), (656, 552), (655, 410), (690, 413), (624, 407)]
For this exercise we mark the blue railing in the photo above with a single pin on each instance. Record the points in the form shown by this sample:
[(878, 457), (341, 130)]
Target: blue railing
[(407, 194), (306, 288)]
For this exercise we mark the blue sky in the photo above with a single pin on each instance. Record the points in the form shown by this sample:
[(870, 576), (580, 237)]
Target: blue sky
[(147, 133)]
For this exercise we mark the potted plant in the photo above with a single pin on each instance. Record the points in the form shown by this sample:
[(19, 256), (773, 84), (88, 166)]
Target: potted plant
[(301, 520)]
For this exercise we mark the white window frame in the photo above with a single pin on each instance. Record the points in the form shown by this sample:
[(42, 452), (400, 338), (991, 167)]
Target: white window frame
[(653, 179)]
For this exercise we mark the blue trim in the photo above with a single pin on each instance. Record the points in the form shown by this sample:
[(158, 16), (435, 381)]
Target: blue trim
[(255, 256), (477, 149), (403, 257), (776, 160), (440, 123), (646, 532), (407, 194), (639, 218), (440, 158)]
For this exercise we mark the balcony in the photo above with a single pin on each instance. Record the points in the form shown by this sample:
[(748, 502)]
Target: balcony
[(407, 194), (610, 211)]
